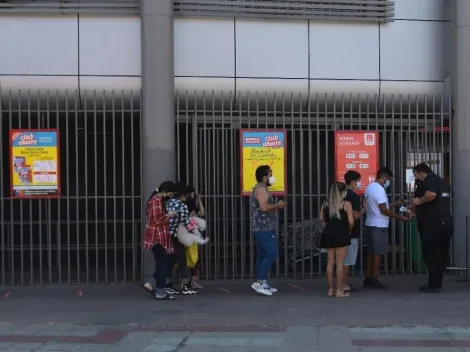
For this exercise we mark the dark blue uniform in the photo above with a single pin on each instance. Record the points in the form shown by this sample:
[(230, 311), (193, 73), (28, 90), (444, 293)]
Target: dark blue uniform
[(435, 227)]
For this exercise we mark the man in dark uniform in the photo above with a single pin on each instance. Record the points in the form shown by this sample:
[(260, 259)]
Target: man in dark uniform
[(432, 207)]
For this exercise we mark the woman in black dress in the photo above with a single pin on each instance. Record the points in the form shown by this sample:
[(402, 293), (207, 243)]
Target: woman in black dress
[(338, 216)]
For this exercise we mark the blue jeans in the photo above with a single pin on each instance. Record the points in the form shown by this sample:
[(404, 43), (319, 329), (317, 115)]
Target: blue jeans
[(267, 249)]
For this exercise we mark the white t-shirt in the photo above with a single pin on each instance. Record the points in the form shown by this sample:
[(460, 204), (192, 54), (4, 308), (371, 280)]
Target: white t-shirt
[(375, 195)]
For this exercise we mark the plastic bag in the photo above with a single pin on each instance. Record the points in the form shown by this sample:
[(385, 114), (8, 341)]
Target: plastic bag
[(192, 256)]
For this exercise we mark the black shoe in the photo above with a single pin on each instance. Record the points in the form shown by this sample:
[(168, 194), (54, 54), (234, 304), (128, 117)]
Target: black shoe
[(427, 289), (368, 282), (374, 283), (187, 290), (165, 297), (171, 290), (377, 284)]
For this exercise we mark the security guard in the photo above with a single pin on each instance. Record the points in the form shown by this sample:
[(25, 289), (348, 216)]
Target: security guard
[(432, 207)]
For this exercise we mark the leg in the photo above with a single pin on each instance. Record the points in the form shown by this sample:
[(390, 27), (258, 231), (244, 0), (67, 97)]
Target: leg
[(160, 273), (170, 264), (378, 237), (180, 252), (340, 253), (432, 254), (350, 260), (370, 253), (270, 246), (194, 276), (260, 252), (330, 267), (444, 251)]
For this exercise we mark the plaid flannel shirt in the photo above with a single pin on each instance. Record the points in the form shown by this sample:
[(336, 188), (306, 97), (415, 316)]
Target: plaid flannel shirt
[(182, 218), (157, 231)]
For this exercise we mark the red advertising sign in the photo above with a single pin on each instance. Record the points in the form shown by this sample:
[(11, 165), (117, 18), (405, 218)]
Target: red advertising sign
[(358, 151)]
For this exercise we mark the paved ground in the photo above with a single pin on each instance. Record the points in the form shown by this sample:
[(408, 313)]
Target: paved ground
[(227, 316)]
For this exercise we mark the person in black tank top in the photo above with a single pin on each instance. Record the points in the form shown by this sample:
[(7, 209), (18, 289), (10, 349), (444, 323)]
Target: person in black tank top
[(338, 216)]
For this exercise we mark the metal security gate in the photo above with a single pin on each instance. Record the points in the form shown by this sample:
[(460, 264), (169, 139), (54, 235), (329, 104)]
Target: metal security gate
[(92, 234), (412, 129)]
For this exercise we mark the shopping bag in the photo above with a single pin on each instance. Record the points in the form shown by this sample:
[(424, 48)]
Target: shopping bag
[(192, 256)]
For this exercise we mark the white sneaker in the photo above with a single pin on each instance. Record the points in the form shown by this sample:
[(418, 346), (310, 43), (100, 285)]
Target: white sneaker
[(267, 287), (261, 289)]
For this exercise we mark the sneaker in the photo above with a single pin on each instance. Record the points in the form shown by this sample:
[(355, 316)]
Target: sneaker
[(269, 288), (171, 290), (149, 288), (165, 297), (188, 290), (261, 289)]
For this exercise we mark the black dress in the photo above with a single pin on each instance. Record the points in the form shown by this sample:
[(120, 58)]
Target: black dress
[(336, 233)]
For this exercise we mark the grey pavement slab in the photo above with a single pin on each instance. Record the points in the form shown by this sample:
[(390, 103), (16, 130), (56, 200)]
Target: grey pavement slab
[(127, 304)]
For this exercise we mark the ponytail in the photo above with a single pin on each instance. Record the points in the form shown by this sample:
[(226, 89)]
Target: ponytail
[(167, 187), (155, 192)]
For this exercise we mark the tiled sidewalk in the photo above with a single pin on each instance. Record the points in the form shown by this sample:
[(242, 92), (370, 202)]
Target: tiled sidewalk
[(69, 337), (227, 316)]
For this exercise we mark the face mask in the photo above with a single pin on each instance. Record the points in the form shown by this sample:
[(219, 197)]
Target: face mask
[(418, 182), (387, 184), (358, 184), (166, 198), (271, 180)]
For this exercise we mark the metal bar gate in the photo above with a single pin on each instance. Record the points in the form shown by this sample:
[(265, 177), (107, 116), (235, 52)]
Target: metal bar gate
[(413, 129), (93, 233)]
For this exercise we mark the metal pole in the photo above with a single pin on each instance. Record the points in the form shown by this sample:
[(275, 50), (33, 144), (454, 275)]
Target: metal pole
[(461, 126), (158, 125)]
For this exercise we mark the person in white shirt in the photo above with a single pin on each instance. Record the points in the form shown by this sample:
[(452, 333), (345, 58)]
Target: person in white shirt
[(378, 215)]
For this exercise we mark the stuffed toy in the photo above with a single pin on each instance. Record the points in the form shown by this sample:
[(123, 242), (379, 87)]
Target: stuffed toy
[(191, 234)]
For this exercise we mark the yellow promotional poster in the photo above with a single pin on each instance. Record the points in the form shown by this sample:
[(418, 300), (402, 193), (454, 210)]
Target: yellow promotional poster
[(34, 164), (263, 147)]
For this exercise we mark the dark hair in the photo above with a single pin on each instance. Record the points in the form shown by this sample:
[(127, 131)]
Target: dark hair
[(167, 186), (262, 171), (384, 172), (351, 175), (425, 169), (185, 190)]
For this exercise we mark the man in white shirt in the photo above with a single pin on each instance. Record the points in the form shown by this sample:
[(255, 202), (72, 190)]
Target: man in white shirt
[(378, 216)]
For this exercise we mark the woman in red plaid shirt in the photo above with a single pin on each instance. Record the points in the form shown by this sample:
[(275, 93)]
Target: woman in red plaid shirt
[(157, 237)]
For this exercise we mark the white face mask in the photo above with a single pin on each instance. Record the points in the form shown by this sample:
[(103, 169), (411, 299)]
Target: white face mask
[(271, 180), (387, 184), (359, 184)]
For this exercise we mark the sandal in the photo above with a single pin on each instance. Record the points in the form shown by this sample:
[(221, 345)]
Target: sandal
[(331, 293), (341, 294)]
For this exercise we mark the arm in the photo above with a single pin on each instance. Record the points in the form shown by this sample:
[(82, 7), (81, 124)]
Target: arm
[(322, 212), (157, 212), (357, 209), (431, 186), (349, 212), (429, 196), (202, 211), (387, 212), (262, 196)]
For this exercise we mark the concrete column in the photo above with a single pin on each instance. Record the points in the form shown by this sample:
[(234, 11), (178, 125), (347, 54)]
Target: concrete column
[(158, 126), (461, 126)]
